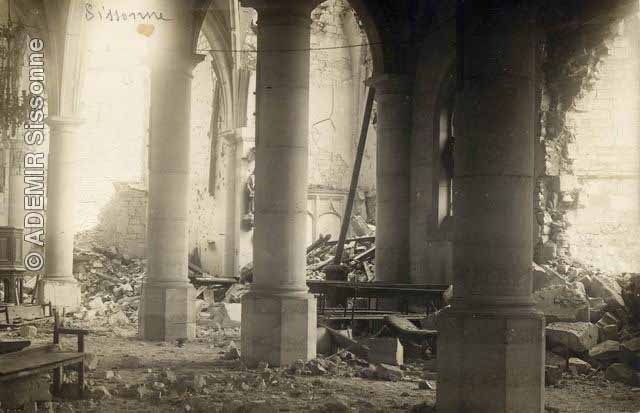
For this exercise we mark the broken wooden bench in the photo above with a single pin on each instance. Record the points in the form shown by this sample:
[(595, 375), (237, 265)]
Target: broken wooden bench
[(42, 359)]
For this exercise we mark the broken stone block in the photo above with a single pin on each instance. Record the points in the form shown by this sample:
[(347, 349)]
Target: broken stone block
[(566, 302), (100, 393), (387, 350), (28, 331), (95, 303), (608, 289), (90, 361), (630, 352), (619, 372), (389, 372), (118, 319), (232, 352), (596, 308), (606, 351), (226, 315), (552, 374), (425, 385), (608, 327), (543, 276), (578, 366), (577, 337)]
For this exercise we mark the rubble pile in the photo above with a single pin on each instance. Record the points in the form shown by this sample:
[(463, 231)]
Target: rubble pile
[(358, 255), (111, 285), (592, 321)]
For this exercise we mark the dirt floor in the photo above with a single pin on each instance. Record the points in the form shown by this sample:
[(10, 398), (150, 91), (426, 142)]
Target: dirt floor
[(135, 376)]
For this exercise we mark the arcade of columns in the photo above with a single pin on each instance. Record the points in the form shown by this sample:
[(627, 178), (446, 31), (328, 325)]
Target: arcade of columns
[(491, 343)]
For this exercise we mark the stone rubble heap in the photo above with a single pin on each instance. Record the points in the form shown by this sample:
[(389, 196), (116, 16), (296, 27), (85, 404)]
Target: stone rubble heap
[(592, 321), (358, 255)]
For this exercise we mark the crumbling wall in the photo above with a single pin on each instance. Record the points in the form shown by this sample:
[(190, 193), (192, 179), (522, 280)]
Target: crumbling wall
[(586, 198), (604, 228), (123, 220), (207, 209)]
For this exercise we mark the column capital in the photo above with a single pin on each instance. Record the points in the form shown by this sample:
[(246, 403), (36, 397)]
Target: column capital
[(64, 122), (391, 83), (277, 7), (172, 61)]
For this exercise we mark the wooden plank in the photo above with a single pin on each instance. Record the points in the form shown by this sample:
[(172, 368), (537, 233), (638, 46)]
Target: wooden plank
[(405, 329), (13, 363), (22, 313), (39, 369), (13, 345)]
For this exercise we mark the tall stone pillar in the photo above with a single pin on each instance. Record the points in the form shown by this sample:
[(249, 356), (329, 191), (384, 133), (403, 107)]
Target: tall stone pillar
[(491, 341), (167, 310), (58, 285), (394, 98), (278, 314)]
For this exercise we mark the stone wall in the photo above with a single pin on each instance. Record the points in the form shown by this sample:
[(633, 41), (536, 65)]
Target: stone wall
[(604, 228), (123, 221), (588, 151)]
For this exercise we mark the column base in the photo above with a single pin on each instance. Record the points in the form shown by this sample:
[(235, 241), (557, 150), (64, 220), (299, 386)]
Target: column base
[(278, 328), (62, 293), (490, 361), (167, 312)]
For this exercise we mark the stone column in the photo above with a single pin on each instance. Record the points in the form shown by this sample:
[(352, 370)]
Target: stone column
[(278, 314), (58, 285), (167, 311), (394, 98), (491, 341)]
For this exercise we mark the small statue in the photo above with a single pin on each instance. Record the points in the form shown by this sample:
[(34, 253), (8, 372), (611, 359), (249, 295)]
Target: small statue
[(249, 218)]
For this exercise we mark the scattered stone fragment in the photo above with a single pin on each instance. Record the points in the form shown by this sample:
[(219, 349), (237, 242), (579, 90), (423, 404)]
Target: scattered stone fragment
[(90, 361), (100, 393), (389, 372), (28, 331), (577, 337), (424, 407), (169, 376), (606, 351), (619, 372), (227, 315), (608, 289), (425, 385), (232, 352), (544, 276), (578, 366), (95, 303), (199, 382)]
